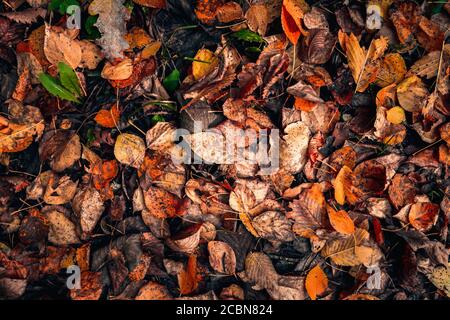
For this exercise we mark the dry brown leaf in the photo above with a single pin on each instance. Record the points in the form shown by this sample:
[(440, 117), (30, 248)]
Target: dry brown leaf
[(158, 4), (17, 136), (308, 211), (59, 46), (27, 16), (88, 205), (91, 287), (206, 10), (258, 18), (91, 55), (120, 71), (273, 226), (153, 291), (392, 70), (294, 146), (412, 94), (60, 190), (316, 282), (160, 203), (342, 250), (222, 257), (62, 231), (229, 12), (363, 64), (344, 189)]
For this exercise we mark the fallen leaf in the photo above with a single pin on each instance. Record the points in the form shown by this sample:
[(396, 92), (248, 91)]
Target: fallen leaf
[(108, 118), (60, 190), (153, 291), (188, 278), (158, 4), (395, 115), (160, 203), (59, 46), (120, 71), (91, 287), (61, 147), (411, 94), (292, 13), (341, 221), (88, 205), (204, 62), (316, 282), (363, 64), (423, 215), (129, 150), (27, 16), (294, 146), (62, 231), (222, 257)]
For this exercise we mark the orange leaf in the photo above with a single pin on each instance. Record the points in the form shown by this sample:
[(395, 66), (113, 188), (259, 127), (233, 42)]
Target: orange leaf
[(316, 282), (343, 187), (160, 203), (341, 221), (108, 118), (292, 13), (188, 279), (423, 215), (206, 10), (304, 105)]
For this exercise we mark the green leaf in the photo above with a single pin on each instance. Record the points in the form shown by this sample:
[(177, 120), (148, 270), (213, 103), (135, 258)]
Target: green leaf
[(253, 50), (69, 79), (90, 137), (158, 118), (247, 36), (62, 5), (92, 30), (172, 81), (54, 5), (52, 85)]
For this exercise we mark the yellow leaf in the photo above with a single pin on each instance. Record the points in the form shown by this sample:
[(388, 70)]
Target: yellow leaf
[(392, 70), (316, 282), (363, 64), (205, 62), (247, 222), (343, 187), (395, 115), (129, 150)]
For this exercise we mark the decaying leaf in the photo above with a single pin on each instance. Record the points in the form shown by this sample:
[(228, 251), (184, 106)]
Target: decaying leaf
[(221, 257)]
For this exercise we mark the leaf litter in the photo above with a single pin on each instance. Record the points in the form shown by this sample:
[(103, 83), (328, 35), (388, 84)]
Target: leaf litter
[(94, 171)]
